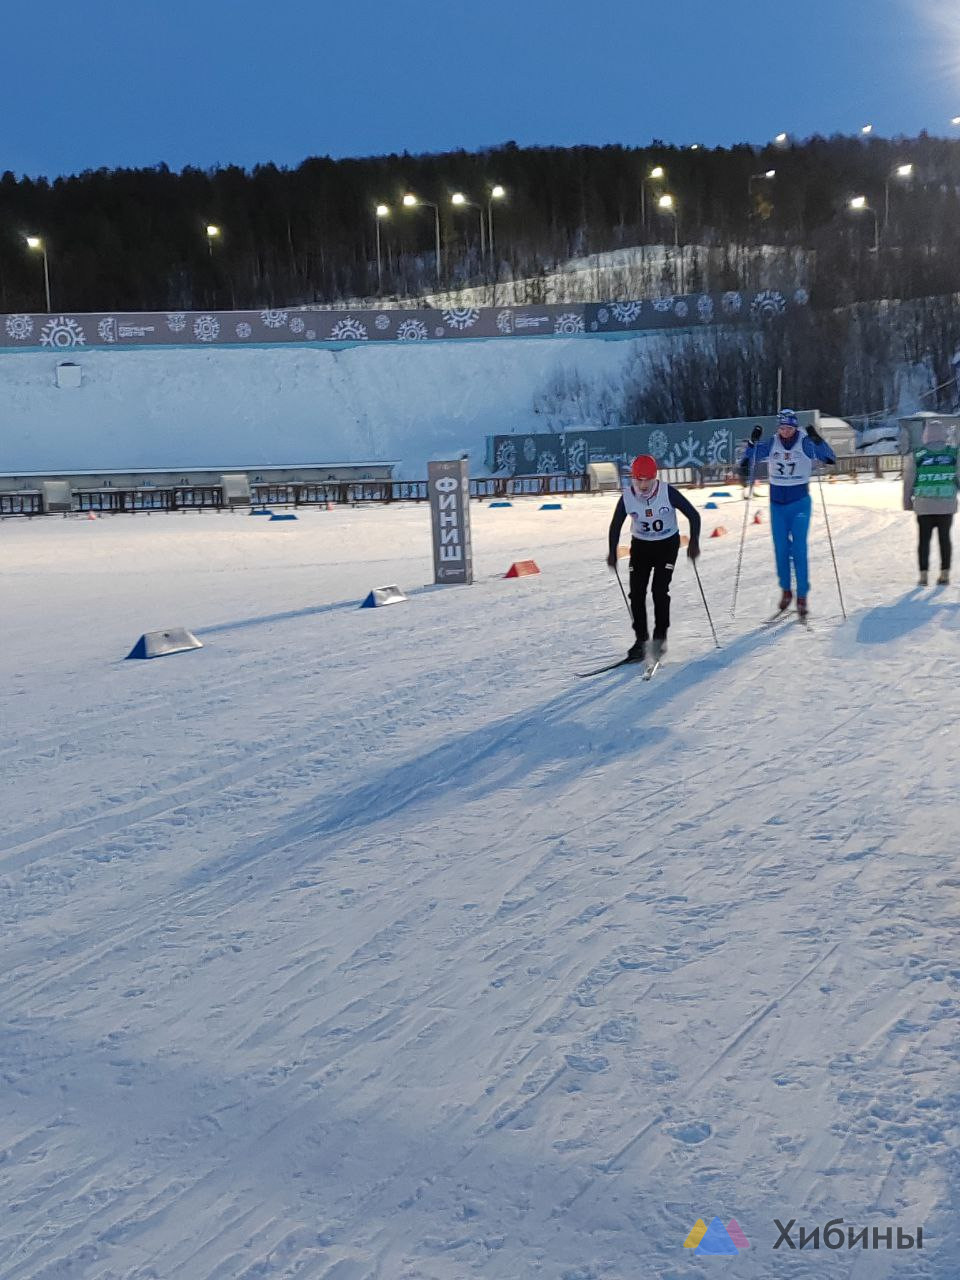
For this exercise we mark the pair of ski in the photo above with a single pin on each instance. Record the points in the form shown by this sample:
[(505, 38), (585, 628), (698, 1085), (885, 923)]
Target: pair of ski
[(650, 669), (783, 614)]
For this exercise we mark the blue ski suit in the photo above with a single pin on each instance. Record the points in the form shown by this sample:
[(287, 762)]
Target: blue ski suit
[(790, 508)]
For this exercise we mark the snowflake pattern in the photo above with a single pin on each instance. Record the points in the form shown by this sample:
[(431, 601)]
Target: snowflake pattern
[(731, 302), (529, 449), (768, 303), (801, 297), (244, 330), (705, 308), (19, 328), (681, 308), (461, 317), (382, 322), (577, 457), (569, 322), (107, 329), (349, 330), (439, 331), (663, 304), (274, 319), (412, 331), (626, 312), (176, 321), (687, 453), (206, 328), (297, 325), (658, 444), (505, 322), (311, 335), (547, 463), (719, 447), (62, 332), (506, 457), (603, 315)]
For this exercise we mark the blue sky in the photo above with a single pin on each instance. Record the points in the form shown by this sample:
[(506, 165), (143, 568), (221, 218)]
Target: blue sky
[(107, 83)]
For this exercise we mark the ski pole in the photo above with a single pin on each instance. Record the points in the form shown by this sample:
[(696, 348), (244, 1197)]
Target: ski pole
[(833, 554), (705, 605), (623, 593), (743, 535)]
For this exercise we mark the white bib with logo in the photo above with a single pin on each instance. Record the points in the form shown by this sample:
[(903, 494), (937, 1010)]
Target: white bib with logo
[(652, 515), (788, 466)]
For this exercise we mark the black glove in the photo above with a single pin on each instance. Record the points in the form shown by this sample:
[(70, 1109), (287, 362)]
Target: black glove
[(814, 435), (693, 549), (612, 560), (756, 434)]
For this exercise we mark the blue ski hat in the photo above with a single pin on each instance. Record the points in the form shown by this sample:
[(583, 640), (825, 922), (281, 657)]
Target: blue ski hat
[(787, 418)]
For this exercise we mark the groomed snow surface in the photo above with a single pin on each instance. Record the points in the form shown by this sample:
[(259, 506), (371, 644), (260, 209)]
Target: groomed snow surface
[(373, 944)]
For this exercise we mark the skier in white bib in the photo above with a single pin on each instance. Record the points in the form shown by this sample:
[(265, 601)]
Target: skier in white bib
[(790, 458), (654, 547)]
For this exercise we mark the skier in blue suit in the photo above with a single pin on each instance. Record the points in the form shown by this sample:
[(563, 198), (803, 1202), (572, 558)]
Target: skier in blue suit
[(789, 457)]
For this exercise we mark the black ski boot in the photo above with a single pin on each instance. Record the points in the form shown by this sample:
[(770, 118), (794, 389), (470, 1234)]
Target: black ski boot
[(637, 651), (658, 648), (785, 601)]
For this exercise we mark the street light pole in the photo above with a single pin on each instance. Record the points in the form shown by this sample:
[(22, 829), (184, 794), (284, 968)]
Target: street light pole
[(410, 202), (859, 204), (382, 211), (656, 174), (766, 176), (496, 193), (901, 171), (36, 243), (459, 200)]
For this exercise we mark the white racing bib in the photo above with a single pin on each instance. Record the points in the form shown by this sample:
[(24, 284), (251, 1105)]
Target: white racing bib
[(788, 466), (652, 517)]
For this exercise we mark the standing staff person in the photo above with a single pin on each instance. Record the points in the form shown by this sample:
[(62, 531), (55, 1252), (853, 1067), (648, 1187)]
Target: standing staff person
[(790, 457), (652, 507), (931, 477)]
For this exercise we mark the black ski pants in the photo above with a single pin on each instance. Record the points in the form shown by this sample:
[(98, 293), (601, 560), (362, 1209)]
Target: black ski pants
[(926, 526), (656, 559)]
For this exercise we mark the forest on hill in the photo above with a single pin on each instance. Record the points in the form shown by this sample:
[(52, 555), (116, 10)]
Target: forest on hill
[(137, 239)]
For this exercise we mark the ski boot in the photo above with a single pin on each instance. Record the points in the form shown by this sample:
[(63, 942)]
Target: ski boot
[(944, 578), (924, 578), (785, 601), (658, 648), (802, 608), (637, 651)]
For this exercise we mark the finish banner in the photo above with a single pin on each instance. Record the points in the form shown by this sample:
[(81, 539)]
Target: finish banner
[(449, 490)]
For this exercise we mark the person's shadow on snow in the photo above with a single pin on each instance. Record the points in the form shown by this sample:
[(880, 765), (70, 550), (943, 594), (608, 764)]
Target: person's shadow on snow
[(912, 611)]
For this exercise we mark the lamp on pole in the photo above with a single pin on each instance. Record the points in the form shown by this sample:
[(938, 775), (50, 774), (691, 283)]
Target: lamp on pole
[(36, 243), (902, 171), (667, 205), (767, 176), (411, 202), (656, 174), (381, 211), (213, 233), (496, 193), (460, 200), (866, 130), (859, 204), (781, 139)]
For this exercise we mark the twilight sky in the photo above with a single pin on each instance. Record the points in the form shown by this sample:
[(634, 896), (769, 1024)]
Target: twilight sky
[(205, 82)]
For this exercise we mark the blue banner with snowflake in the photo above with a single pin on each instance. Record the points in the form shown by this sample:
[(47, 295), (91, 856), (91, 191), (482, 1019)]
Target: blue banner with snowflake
[(718, 442), (276, 325)]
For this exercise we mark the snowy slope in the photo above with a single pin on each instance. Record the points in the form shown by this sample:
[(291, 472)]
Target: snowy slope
[(207, 408), (372, 944)]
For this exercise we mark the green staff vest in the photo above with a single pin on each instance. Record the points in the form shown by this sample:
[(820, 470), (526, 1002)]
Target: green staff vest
[(936, 473)]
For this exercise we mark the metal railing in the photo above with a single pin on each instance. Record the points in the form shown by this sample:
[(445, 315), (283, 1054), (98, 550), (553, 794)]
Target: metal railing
[(339, 493)]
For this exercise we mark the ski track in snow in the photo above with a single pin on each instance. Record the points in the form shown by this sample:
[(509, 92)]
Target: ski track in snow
[(374, 945)]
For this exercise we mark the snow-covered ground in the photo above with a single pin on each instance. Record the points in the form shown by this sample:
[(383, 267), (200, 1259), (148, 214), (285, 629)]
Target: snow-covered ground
[(373, 944)]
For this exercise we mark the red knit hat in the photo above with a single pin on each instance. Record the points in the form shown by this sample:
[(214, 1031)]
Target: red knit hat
[(644, 467)]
